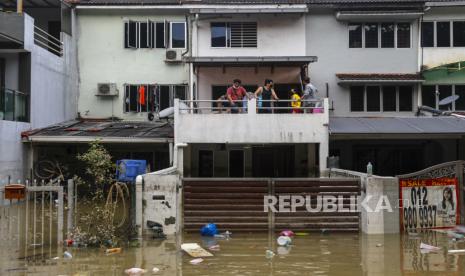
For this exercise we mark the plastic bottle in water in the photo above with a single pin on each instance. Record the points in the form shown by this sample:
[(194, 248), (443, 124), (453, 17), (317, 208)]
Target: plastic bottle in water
[(369, 169)]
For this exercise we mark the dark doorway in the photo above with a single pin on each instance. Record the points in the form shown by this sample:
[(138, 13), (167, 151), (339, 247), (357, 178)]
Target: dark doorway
[(54, 30), (205, 163), (236, 163), (282, 91), (273, 161)]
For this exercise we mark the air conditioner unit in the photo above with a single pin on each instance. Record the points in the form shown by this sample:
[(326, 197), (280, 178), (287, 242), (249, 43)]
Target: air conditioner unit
[(173, 56), (107, 89)]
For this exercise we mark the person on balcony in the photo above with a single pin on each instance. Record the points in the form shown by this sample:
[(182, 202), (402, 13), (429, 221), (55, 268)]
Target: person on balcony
[(235, 93), (309, 95), (267, 93), (295, 98)]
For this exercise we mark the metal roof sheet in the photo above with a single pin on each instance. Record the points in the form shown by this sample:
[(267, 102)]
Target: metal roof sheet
[(396, 125)]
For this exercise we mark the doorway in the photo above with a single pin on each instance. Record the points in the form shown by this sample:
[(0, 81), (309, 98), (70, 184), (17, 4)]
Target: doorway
[(273, 161)]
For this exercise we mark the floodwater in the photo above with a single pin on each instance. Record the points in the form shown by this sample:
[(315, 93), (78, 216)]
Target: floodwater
[(244, 254)]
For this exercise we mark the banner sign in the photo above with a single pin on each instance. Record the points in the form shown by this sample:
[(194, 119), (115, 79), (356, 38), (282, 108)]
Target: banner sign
[(428, 203)]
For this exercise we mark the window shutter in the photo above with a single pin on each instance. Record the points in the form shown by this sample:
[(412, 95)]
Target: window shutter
[(151, 36), (167, 34), (126, 34), (132, 34), (159, 31), (243, 34)]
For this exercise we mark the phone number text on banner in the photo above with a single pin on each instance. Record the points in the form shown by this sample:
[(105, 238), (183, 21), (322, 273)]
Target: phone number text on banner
[(428, 203)]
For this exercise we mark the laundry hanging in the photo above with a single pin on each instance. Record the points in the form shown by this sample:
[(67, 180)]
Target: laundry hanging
[(142, 95)]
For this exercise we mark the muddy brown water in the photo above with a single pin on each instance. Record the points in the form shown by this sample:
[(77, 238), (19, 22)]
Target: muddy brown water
[(244, 254)]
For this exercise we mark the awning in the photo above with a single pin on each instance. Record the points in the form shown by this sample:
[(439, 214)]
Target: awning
[(378, 15), (362, 78), (392, 127), (252, 61), (104, 131), (452, 73)]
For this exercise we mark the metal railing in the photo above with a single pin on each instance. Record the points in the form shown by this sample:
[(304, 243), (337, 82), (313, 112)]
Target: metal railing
[(14, 105), (241, 106), (47, 41)]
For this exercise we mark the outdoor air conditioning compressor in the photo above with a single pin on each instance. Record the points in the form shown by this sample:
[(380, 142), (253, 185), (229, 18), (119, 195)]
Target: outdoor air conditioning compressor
[(107, 89)]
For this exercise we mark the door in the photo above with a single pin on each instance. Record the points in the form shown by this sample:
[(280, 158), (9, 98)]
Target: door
[(236, 163), (273, 161)]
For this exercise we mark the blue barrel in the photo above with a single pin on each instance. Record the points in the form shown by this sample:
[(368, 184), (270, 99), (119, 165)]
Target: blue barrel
[(127, 170)]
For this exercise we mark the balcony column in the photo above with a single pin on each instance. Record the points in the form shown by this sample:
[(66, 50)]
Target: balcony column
[(252, 106), (19, 6)]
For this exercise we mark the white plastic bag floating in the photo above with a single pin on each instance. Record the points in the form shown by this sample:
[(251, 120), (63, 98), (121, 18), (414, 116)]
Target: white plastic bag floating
[(428, 247), (135, 271)]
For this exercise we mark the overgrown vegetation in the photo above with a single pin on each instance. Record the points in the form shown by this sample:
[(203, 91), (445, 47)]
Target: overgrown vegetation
[(103, 210)]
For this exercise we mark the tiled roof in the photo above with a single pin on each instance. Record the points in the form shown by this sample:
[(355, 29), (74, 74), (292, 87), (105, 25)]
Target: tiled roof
[(385, 77), (236, 2), (105, 129)]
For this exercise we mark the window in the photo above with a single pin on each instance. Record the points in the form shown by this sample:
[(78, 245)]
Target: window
[(427, 34), (459, 34), (428, 95), (145, 34), (221, 35), (355, 35), (389, 98), (371, 35), (234, 34), (387, 35), (405, 98), (444, 92), (460, 103), (155, 98), (403, 35), (178, 35), (357, 99), (373, 98), (382, 35), (443, 34)]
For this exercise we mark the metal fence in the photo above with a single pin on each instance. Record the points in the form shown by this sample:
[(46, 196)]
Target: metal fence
[(48, 41)]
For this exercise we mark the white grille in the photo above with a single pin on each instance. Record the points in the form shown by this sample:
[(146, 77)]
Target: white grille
[(243, 34)]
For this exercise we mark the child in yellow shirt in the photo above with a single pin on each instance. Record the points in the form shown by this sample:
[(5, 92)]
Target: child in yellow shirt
[(295, 104)]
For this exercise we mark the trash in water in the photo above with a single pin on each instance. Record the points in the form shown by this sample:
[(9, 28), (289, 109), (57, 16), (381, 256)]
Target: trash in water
[(209, 230), (379, 245), (220, 236), (155, 270), (455, 251), (284, 240), (215, 247), (55, 258), (428, 247), (269, 254), (287, 233), (194, 250), (135, 271), (67, 255), (283, 250), (113, 250), (69, 242), (302, 234), (452, 234), (196, 261), (324, 231), (157, 229), (413, 234)]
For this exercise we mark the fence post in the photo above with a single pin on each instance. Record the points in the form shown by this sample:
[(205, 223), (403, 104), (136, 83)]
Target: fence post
[(60, 216), (70, 221)]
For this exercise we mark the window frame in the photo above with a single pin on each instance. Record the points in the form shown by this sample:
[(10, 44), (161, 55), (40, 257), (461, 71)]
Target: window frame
[(381, 99), (228, 27), (435, 33), (155, 89), (437, 95), (171, 34), (378, 24)]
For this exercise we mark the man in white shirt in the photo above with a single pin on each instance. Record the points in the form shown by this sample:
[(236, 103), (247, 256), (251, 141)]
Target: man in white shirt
[(309, 94)]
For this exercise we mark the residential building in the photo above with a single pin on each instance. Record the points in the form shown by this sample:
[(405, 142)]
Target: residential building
[(38, 79)]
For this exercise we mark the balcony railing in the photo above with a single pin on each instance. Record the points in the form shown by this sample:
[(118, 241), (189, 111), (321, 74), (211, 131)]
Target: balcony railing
[(14, 105), (241, 106), (47, 41)]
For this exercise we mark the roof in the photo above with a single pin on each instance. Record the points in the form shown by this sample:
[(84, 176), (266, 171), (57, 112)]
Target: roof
[(234, 2), (252, 60), (452, 73), (381, 77), (392, 125), (106, 131)]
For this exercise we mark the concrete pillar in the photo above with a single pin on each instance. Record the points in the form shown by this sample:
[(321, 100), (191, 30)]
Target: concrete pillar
[(139, 211), (311, 160), (251, 104), (323, 156)]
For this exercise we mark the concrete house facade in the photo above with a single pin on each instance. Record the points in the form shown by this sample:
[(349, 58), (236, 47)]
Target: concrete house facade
[(38, 77)]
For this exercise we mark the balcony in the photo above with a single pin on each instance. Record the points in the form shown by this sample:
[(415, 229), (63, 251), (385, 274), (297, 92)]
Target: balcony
[(14, 105), (200, 121)]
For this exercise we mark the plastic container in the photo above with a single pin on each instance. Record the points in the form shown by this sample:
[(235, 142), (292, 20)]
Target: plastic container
[(127, 170), (284, 241), (209, 230)]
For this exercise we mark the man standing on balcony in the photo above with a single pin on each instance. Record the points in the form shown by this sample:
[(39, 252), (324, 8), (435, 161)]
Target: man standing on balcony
[(309, 95), (235, 93)]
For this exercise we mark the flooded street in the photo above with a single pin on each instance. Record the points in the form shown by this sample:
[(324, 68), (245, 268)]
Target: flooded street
[(244, 254)]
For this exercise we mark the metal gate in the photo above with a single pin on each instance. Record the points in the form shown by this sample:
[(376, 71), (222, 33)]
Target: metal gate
[(238, 204), (33, 226)]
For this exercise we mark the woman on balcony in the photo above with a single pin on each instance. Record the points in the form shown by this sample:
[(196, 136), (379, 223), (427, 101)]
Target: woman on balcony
[(267, 93)]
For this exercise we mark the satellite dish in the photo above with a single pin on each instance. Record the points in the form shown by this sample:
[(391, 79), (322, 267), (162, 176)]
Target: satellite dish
[(449, 100)]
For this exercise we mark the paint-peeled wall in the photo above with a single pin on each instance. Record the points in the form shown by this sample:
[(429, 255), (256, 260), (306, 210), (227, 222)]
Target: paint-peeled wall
[(328, 39), (103, 58), (437, 56)]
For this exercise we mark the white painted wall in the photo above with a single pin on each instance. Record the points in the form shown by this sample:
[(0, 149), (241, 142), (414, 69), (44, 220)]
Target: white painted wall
[(103, 59), (328, 39), (271, 28), (53, 99), (433, 57)]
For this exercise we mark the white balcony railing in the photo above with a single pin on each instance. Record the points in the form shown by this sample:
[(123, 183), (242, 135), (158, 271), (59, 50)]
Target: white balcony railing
[(47, 41)]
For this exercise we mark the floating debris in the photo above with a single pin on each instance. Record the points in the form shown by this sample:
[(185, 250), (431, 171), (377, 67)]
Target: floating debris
[(135, 271), (196, 261), (456, 251), (195, 250), (155, 270), (269, 254)]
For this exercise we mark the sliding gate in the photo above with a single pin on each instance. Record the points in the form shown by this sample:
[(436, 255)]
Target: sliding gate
[(238, 204)]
